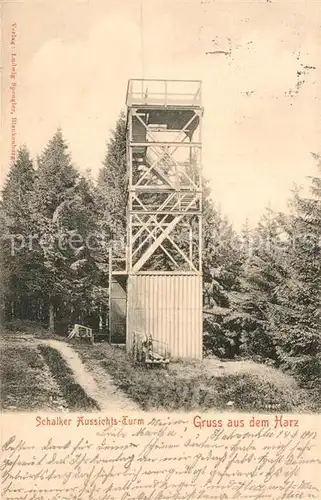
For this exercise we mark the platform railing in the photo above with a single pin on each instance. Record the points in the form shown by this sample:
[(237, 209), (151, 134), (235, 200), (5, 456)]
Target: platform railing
[(164, 92)]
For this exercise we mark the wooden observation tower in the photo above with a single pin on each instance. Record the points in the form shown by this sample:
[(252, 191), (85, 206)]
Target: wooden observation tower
[(159, 293)]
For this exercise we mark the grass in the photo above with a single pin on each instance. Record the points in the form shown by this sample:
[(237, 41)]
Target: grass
[(25, 380), (73, 393), (37, 377), (189, 385)]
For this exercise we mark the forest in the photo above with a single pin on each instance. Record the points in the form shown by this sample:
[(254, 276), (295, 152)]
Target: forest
[(262, 286)]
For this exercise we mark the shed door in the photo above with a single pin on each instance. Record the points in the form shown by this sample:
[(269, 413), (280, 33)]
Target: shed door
[(118, 310)]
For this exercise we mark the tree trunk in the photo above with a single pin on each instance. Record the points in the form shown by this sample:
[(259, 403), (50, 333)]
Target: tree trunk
[(51, 317), (2, 311), (100, 318)]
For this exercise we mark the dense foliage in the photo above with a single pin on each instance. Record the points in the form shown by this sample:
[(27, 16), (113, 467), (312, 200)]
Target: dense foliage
[(262, 288)]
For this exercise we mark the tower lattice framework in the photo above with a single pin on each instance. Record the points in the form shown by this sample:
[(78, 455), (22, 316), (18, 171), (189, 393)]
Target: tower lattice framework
[(159, 292), (164, 190)]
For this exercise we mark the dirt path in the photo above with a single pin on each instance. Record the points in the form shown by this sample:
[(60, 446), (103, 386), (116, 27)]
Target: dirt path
[(96, 383)]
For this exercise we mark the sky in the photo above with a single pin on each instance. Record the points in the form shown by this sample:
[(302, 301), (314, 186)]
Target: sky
[(259, 62)]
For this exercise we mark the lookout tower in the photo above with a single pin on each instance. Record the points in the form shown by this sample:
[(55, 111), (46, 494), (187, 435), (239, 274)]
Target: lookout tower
[(161, 286)]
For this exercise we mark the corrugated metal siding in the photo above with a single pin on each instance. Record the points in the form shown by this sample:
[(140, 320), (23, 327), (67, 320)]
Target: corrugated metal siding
[(170, 309)]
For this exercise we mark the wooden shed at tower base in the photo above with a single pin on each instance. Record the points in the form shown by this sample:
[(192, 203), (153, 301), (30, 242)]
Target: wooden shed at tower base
[(169, 308)]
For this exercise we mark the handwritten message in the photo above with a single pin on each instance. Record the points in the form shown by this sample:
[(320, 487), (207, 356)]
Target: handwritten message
[(159, 458)]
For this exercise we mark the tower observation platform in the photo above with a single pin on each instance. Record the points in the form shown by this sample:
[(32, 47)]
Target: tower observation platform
[(159, 292)]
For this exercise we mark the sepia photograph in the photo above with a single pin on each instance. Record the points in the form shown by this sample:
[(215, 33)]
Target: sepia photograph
[(160, 244), (161, 237)]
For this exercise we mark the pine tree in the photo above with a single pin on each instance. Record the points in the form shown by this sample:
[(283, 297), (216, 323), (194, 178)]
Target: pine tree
[(56, 210), (85, 272), (222, 260), (111, 203), (56, 177), (264, 271), (16, 192), (298, 316), (245, 240), (18, 258), (112, 185)]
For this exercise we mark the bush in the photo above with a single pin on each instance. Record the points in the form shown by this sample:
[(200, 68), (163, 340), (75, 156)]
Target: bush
[(258, 343), (217, 339), (297, 340), (306, 368), (26, 326)]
